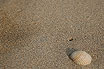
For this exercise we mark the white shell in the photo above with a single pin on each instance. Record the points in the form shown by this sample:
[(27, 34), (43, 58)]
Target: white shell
[(81, 57)]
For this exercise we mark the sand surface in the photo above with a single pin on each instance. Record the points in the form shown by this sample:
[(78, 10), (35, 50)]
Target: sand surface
[(35, 34)]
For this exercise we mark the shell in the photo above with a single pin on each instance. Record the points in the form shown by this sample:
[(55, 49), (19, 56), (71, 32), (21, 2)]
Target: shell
[(81, 57)]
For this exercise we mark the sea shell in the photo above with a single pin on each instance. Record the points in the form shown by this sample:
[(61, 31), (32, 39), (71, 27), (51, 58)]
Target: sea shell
[(81, 57)]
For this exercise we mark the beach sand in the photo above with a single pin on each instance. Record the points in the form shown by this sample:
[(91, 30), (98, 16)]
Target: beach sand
[(36, 34)]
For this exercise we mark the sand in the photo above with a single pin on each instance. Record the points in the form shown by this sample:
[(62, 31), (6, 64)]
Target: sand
[(36, 34)]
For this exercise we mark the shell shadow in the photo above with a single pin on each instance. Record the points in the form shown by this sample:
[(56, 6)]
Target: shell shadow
[(69, 51)]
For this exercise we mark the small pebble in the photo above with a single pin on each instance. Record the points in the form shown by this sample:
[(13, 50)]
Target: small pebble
[(71, 39)]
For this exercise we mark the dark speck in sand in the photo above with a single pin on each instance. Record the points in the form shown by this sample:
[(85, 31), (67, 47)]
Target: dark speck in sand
[(71, 39)]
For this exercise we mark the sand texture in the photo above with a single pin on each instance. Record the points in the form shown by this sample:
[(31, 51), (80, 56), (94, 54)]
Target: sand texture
[(36, 34)]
